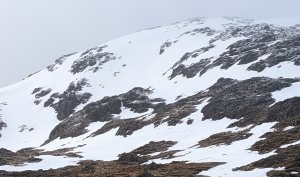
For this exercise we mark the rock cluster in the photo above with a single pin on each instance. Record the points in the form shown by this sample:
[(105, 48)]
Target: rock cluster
[(68, 100), (93, 58), (265, 46)]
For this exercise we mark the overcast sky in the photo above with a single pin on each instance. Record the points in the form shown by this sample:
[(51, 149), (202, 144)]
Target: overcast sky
[(33, 33)]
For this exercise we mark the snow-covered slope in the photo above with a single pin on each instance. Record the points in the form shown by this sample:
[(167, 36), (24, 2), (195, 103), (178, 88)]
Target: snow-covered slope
[(223, 90)]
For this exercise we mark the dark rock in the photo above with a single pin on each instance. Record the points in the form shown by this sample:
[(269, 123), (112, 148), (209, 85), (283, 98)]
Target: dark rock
[(288, 158), (164, 46), (287, 111), (273, 140), (258, 66), (37, 102), (224, 138), (103, 110), (260, 41), (93, 58), (55, 95), (2, 125), (22, 156), (248, 58), (43, 93), (206, 30), (115, 169), (36, 90), (69, 100), (153, 147), (190, 71), (190, 121), (248, 99), (131, 158), (33, 160), (49, 102)]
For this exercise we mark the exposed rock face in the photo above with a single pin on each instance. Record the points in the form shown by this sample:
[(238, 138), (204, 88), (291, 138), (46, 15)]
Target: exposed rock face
[(69, 100), (36, 90), (125, 126), (138, 101), (111, 168), (30, 155), (126, 158), (277, 44), (8, 157), (153, 147), (273, 140), (2, 125), (224, 138), (93, 58), (286, 112), (39, 92), (286, 157), (206, 30), (104, 110), (164, 46), (192, 70), (249, 99), (144, 153), (42, 93)]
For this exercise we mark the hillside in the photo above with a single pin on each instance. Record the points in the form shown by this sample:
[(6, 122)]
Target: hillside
[(207, 97)]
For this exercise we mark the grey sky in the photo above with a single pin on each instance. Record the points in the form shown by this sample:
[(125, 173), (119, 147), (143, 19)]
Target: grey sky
[(35, 32)]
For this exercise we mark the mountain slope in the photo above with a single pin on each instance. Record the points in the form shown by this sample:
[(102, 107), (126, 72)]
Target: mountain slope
[(223, 92)]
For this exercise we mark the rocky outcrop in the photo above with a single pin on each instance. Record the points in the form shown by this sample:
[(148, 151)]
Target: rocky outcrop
[(93, 58), (246, 100), (190, 71), (145, 152), (38, 93), (206, 30), (104, 110), (289, 158), (265, 46), (42, 93), (286, 112), (36, 90), (153, 147), (224, 138), (273, 140), (164, 46), (30, 155), (127, 158), (2, 125), (22, 156), (90, 168), (69, 100)]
